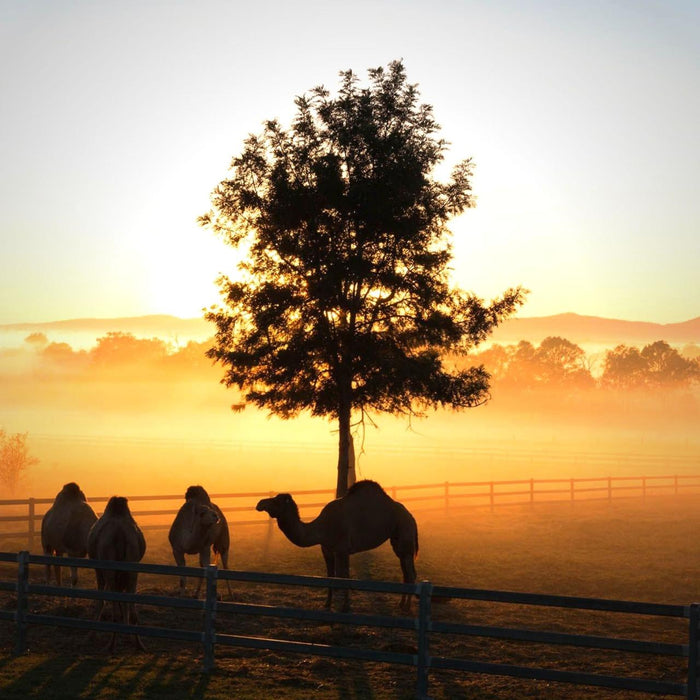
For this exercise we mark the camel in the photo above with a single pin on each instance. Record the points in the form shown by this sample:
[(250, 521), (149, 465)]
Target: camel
[(361, 520), (117, 537), (65, 527), (198, 526)]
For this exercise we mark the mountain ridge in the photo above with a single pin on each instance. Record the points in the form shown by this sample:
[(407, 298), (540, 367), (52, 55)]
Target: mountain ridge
[(574, 327)]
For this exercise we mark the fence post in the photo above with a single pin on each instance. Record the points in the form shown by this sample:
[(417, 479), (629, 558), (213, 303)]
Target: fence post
[(22, 591), (30, 535), (425, 593), (693, 622), (208, 637)]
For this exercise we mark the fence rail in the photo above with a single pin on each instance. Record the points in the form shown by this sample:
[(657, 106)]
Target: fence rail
[(422, 625), (445, 496)]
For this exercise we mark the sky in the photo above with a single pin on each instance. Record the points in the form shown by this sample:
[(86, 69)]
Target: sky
[(119, 119)]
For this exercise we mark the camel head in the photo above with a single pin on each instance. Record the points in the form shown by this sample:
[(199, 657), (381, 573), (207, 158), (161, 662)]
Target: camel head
[(202, 517), (72, 491), (278, 506), (197, 493)]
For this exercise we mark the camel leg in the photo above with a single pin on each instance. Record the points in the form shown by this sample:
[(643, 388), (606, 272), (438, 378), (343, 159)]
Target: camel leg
[(180, 561), (117, 616), (133, 618), (407, 558), (342, 570), (329, 558), (408, 569), (99, 604), (204, 561), (48, 553), (224, 565), (57, 570)]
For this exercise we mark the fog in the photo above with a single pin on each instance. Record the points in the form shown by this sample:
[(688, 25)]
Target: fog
[(139, 417)]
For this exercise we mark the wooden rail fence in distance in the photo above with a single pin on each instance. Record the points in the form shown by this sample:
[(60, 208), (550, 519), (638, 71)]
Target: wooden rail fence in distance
[(445, 496)]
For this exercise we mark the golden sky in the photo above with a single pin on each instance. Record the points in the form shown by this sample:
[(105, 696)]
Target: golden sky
[(118, 119)]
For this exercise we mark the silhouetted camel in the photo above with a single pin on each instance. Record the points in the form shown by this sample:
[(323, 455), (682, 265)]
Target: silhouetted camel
[(198, 526), (117, 537), (362, 519), (65, 528)]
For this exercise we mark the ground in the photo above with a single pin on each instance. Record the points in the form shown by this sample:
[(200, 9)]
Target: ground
[(630, 550)]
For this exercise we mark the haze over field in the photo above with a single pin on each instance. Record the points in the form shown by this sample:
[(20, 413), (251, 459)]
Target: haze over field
[(150, 416)]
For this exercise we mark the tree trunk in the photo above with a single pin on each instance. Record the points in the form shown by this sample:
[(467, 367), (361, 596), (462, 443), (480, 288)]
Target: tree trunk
[(346, 451), (352, 477)]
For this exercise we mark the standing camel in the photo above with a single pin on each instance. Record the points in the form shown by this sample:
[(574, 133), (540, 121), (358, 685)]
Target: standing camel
[(198, 526), (362, 519), (117, 537), (65, 528)]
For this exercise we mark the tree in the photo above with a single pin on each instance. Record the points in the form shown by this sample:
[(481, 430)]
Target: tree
[(563, 362), (14, 458), (656, 365), (343, 304), (666, 366), (119, 349)]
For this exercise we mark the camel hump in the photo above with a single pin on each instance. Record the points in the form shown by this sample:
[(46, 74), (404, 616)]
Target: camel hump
[(197, 493), (117, 506), (365, 485), (72, 490)]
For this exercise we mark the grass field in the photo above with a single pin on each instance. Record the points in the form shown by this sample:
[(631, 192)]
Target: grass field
[(631, 550)]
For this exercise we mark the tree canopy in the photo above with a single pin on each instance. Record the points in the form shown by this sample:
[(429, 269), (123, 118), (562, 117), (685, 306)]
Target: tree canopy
[(655, 365), (343, 304)]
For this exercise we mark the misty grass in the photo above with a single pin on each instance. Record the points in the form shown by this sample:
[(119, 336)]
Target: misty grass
[(631, 550)]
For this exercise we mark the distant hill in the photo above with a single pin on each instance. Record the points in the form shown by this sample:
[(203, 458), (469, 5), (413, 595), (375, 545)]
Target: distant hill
[(576, 328), (593, 329), (160, 325)]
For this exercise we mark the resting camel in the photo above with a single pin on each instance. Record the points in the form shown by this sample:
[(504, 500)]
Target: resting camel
[(65, 527), (117, 537), (198, 526), (362, 519)]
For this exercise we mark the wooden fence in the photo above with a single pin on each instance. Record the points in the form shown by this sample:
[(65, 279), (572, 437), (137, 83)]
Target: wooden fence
[(425, 629), (444, 496)]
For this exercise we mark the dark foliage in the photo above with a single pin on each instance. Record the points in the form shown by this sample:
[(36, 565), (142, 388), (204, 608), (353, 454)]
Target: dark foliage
[(344, 303)]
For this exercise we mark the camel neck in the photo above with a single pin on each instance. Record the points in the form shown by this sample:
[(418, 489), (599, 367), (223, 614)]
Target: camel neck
[(297, 532)]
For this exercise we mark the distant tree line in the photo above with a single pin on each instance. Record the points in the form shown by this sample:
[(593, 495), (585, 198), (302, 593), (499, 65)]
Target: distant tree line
[(121, 352), (556, 362)]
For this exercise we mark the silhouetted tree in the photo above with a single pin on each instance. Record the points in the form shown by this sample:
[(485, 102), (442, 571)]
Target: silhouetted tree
[(657, 364), (14, 458), (344, 303), (118, 348), (37, 340), (665, 365), (562, 362), (555, 362)]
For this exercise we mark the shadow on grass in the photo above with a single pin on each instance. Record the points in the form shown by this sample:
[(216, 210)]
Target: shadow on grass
[(138, 676)]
